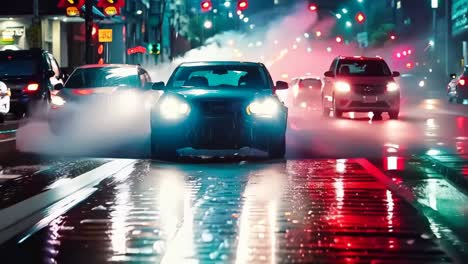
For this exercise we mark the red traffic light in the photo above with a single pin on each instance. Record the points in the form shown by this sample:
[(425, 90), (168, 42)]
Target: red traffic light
[(206, 5), (100, 49), (313, 7), (360, 17), (242, 5)]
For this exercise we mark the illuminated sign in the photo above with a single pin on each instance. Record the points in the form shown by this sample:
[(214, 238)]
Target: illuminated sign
[(111, 7), (105, 35), (72, 7), (72, 11), (137, 49), (459, 17)]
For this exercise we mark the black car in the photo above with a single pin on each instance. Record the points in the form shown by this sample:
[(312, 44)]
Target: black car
[(219, 105), (31, 75), (457, 89)]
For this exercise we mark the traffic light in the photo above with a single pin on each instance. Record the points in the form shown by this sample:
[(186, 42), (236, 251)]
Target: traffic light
[(313, 7), (392, 36), (206, 5), (360, 17), (339, 39), (154, 48), (100, 53), (242, 5)]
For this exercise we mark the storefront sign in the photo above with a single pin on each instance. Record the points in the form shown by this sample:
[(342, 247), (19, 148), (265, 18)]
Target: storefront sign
[(459, 17)]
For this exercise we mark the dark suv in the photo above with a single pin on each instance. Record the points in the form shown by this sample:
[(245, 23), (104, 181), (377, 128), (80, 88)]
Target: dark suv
[(31, 75)]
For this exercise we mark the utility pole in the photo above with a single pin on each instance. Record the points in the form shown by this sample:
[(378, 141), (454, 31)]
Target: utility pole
[(89, 31)]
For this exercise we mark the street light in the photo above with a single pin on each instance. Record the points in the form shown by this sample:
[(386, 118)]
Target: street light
[(338, 15), (208, 24), (344, 10), (349, 24)]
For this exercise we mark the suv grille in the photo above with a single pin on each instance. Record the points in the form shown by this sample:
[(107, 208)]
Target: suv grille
[(365, 89)]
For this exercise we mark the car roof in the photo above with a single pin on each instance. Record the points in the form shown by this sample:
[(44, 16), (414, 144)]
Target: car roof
[(90, 66), (23, 52), (221, 63), (360, 58)]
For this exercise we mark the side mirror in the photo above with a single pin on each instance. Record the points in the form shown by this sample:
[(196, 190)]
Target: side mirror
[(158, 86), (50, 73), (329, 74), (396, 74), (280, 85), (453, 76), (58, 86)]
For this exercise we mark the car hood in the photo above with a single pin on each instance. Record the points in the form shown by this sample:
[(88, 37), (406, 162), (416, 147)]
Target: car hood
[(219, 94), (368, 80)]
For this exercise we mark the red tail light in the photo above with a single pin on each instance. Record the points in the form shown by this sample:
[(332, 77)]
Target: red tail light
[(82, 91), (462, 82), (31, 88)]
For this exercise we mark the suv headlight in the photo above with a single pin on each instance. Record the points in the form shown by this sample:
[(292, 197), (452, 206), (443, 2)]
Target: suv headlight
[(173, 108), (392, 87), (263, 108), (342, 87)]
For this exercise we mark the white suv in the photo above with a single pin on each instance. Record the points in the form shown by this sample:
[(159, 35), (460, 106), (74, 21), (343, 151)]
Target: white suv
[(360, 84), (4, 101)]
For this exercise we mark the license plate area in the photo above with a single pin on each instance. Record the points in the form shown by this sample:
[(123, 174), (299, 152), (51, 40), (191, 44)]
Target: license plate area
[(369, 99)]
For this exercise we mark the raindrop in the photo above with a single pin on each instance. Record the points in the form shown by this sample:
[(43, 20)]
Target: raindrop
[(206, 236), (426, 236), (159, 246)]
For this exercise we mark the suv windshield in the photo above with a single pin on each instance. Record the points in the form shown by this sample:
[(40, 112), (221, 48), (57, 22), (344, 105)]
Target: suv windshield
[(103, 77), (363, 68), (219, 76), (17, 66)]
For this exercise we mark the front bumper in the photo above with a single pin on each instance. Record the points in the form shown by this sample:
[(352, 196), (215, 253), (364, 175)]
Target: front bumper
[(228, 132), (354, 102)]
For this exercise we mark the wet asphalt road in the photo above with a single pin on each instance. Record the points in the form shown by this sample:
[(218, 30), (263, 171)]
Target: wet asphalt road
[(297, 211), (309, 208)]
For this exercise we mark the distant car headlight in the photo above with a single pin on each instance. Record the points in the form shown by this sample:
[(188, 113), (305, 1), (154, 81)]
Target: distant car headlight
[(173, 107), (57, 101), (342, 87), (263, 108), (392, 87)]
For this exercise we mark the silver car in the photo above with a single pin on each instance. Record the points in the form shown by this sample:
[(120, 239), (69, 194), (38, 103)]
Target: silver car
[(360, 84)]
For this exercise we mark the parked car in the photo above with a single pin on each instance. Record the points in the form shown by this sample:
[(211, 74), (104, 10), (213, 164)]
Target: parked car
[(31, 75), (360, 84), (219, 105)]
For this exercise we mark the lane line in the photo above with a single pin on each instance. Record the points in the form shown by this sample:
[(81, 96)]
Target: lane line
[(13, 217)]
